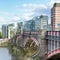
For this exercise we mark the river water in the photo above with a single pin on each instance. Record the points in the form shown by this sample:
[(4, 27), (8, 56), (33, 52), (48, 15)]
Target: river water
[(4, 54)]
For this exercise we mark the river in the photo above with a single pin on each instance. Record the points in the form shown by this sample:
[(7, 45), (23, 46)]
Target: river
[(4, 54)]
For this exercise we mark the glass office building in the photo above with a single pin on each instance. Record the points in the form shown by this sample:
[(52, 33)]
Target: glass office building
[(39, 22), (29, 25)]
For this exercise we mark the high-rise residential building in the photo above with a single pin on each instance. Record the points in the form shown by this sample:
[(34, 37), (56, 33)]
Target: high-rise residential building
[(55, 16), (4, 31), (43, 22)]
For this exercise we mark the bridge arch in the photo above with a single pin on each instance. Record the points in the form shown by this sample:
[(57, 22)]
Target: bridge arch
[(31, 45), (53, 54), (33, 39)]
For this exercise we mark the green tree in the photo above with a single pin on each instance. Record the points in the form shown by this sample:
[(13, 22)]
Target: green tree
[(0, 34)]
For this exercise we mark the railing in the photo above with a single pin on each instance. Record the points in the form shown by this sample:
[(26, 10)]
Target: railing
[(31, 32)]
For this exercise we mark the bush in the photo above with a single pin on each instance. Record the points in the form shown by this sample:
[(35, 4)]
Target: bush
[(37, 58)]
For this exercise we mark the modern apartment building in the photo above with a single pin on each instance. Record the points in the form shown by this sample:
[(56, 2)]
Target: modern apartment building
[(4, 31), (55, 16)]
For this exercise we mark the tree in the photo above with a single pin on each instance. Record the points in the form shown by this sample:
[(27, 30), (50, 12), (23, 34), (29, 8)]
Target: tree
[(0, 34)]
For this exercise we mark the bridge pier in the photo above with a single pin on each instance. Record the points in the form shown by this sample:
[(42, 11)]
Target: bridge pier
[(43, 58)]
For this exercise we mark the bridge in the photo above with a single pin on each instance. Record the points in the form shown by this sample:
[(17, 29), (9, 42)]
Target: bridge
[(46, 44), (25, 37), (55, 54), (53, 45), (31, 40)]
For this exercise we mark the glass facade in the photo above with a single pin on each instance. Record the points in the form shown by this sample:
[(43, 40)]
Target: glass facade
[(29, 25), (37, 22)]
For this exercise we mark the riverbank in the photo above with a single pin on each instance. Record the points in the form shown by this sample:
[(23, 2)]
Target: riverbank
[(5, 44), (20, 53)]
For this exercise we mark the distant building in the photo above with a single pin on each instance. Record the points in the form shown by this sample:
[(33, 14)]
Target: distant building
[(0, 29), (4, 31), (43, 22), (19, 26), (11, 30), (49, 27), (29, 25), (55, 16), (37, 22)]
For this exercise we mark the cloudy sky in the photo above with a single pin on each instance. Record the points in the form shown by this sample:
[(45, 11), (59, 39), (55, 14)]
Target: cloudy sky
[(22, 10)]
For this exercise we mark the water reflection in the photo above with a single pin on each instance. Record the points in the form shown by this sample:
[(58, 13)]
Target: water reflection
[(4, 54)]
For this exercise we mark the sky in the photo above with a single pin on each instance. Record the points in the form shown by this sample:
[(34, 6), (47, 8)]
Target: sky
[(23, 10)]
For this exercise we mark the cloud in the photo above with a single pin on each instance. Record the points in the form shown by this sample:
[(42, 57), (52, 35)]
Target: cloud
[(35, 6), (6, 18), (15, 18), (31, 10), (4, 13), (2, 20), (27, 16), (28, 12)]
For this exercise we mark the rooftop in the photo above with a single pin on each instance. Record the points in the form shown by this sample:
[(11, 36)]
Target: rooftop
[(56, 4)]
